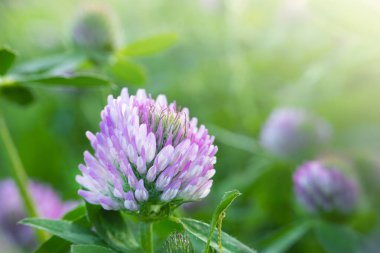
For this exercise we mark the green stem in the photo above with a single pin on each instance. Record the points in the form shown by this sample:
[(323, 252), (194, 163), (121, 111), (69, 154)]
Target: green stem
[(147, 236), (19, 173)]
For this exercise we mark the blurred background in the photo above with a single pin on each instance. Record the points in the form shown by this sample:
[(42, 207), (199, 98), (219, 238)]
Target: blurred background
[(233, 64)]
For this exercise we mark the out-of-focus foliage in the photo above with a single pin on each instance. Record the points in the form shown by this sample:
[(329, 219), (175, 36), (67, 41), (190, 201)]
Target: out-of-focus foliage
[(234, 62)]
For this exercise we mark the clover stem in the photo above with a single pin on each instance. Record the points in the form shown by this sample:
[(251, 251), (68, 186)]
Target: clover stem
[(18, 172), (147, 236)]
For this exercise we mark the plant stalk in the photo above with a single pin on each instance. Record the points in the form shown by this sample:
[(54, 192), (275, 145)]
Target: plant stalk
[(18, 172), (147, 236)]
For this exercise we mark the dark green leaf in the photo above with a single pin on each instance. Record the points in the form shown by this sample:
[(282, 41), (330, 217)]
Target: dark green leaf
[(126, 71), (16, 93), (112, 228), (90, 249), (67, 230), (280, 208), (283, 239), (7, 58), (86, 81), (54, 244), (201, 230), (219, 213), (150, 45), (336, 238)]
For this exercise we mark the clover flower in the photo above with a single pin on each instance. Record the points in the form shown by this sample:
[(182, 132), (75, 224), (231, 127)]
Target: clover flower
[(149, 157), (290, 131), (47, 202), (323, 190)]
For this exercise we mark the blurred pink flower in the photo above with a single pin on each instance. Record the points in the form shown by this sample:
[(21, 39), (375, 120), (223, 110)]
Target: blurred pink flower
[(47, 202)]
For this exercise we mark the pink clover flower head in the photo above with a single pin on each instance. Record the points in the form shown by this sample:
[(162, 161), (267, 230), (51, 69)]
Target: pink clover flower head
[(149, 156)]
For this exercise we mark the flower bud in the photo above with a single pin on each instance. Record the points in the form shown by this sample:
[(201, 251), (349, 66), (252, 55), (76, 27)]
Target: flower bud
[(94, 30), (292, 132), (178, 243), (323, 190)]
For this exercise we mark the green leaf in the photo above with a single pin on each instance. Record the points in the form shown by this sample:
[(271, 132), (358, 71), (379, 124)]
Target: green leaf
[(90, 249), (7, 58), (198, 244), (283, 239), (54, 244), (126, 71), (336, 238), (112, 228), (83, 81), (52, 64), (76, 213), (219, 214), (64, 229), (201, 230), (57, 244), (235, 140), (149, 45), (16, 93)]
